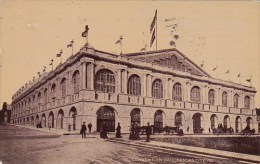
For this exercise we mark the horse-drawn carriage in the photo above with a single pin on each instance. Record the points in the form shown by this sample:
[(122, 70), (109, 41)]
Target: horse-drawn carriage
[(222, 130), (167, 129), (247, 131)]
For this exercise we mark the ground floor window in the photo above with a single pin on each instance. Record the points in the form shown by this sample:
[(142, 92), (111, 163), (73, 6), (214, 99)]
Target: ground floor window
[(106, 115)]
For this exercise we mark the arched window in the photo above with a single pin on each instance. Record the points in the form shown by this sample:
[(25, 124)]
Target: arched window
[(177, 92), (45, 95), (75, 81), (105, 81), (134, 85), (53, 90), (224, 98), (247, 102), (211, 97), (157, 89), (195, 95), (63, 87), (236, 97)]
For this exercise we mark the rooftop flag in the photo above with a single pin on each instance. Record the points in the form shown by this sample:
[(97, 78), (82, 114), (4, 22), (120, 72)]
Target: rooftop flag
[(153, 30), (214, 69), (227, 72)]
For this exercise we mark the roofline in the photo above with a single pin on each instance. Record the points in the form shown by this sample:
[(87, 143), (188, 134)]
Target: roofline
[(163, 50)]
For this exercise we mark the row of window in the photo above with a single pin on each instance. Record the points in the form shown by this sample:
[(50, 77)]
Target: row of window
[(105, 82)]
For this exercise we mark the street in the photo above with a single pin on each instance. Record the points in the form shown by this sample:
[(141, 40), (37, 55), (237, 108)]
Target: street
[(21, 145)]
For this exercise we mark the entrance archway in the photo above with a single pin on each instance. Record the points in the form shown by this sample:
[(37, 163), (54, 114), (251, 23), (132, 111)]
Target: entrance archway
[(135, 116), (43, 120), (37, 119), (32, 121), (60, 118), (72, 114), (197, 123), (213, 121), (226, 122), (51, 120), (249, 122), (158, 119), (238, 124), (106, 114), (179, 119)]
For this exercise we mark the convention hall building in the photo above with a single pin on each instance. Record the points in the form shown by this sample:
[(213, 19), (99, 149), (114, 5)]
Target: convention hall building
[(162, 87)]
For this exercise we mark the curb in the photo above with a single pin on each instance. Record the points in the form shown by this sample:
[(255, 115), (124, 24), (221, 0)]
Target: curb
[(143, 144)]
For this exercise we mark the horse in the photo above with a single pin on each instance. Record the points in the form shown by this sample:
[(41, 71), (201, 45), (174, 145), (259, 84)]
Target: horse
[(169, 129)]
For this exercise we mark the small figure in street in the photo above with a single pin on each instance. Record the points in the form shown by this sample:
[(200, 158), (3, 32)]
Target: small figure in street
[(188, 128), (89, 127), (131, 131), (148, 132), (118, 131), (180, 132), (103, 132), (83, 130), (136, 131), (49, 126), (209, 129)]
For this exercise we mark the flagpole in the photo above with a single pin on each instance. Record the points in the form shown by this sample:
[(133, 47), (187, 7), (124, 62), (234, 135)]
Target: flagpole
[(156, 30)]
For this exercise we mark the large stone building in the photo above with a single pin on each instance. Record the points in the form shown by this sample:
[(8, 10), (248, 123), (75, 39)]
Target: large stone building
[(160, 87)]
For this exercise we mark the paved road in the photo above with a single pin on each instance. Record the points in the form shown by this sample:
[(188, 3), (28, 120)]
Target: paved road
[(42, 147)]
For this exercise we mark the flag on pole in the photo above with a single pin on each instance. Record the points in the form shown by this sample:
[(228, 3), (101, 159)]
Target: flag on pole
[(153, 29), (85, 33), (59, 54), (119, 41), (152, 26), (239, 75), (44, 69), (152, 38), (51, 63), (227, 72), (249, 80), (214, 69), (70, 44)]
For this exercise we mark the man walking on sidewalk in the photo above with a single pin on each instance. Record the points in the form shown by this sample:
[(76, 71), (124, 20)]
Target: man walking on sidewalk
[(83, 130), (148, 132)]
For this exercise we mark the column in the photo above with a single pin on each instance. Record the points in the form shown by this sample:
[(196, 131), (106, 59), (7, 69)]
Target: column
[(149, 86), (119, 81), (144, 86), (231, 99), (83, 75), (166, 89), (90, 76), (170, 85)]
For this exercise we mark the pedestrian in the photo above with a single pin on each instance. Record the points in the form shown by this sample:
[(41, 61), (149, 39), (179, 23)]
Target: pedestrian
[(49, 126), (118, 131), (89, 127), (83, 130), (209, 129), (148, 132), (103, 132), (131, 132), (180, 132), (188, 128)]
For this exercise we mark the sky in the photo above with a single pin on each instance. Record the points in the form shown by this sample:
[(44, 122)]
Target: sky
[(222, 34)]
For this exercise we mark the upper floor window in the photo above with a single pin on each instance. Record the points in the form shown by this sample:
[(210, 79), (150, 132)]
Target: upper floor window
[(195, 95), (63, 87), (134, 85), (177, 92), (224, 98), (75, 81), (236, 97), (105, 81), (157, 89), (211, 97), (45, 95), (53, 89), (247, 102)]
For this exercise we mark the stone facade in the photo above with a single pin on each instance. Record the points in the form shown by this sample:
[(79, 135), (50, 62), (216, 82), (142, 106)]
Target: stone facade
[(160, 87)]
